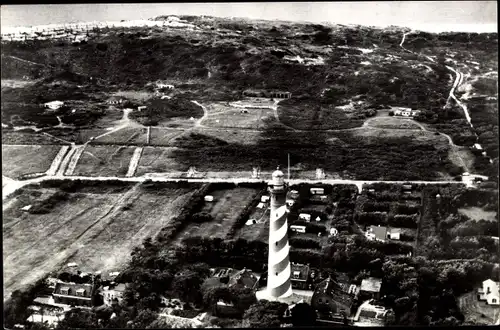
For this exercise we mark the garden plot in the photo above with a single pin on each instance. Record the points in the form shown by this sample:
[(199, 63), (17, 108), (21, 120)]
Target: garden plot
[(104, 161), (18, 160), (158, 160), (127, 135)]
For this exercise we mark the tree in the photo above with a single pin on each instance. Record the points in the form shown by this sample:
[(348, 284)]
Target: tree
[(201, 217), (187, 286), (265, 314), (78, 318), (303, 315)]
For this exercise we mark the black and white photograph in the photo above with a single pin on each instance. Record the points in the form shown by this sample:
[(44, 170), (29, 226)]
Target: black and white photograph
[(250, 164)]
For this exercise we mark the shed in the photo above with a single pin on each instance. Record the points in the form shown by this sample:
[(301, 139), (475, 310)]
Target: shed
[(334, 231), (26, 208), (54, 105), (394, 233), (323, 197), (261, 205), (251, 222), (305, 216), (72, 264), (209, 198), (264, 199), (371, 285), (290, 202), (317, 191), (318, 219), (477, 146), (298, 229)]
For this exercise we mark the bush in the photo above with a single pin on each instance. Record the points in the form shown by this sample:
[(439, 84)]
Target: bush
[(304, 243), (201, 217)]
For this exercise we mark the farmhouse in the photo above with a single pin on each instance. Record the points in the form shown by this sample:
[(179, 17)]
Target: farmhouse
[(489, 292), (300, 275), (163, 85), (74, 294), (113, 294), (330, 299), (371, 285), (54, 105)]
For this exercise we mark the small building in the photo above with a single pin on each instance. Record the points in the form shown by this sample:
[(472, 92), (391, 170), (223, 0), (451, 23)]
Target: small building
[(371, 285), (26, 208), (394, 233), (318, 218), (407, 187), (334, 231), (250, 222), (290, 202), (209, 198), (298, 229), (226, 309), (317, 191), (114, 100), (264, 199), (142, 107), (113, 294), (477, 146), (489, 292), (74, 294), (304, 216), (330, 300), (261, 205), (369, 314), (72, 264), (54, 105), (300, 275)]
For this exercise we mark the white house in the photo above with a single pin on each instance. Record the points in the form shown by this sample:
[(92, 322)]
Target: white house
[(305, 216), (209, 198), (489, 292), (112, 294), (317, 191), (298, 229), (54, 105)]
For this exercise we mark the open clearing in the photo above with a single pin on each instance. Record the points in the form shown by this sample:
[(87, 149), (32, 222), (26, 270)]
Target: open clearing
[(91, 228), (230, 135), (225, 209), (373, 134), (158, 160), (163, 136), (472, 309), (24, 159), (127, 135), (227, 116), (104, 161), (477, 213)]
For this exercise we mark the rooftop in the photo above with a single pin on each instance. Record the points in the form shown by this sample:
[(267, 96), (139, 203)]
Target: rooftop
[(300, 272), (371, 284), (73, 288), (380, 232)]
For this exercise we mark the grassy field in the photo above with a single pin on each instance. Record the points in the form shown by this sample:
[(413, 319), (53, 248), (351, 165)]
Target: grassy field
[(477, 213), (104, 161), (28, 138), (19, 160), (91, 228), (230, 135), (373, 134), (258, 231), (163, 136), (225, 209), (127, 135), (392, 122), (238, 118), (158, 159)]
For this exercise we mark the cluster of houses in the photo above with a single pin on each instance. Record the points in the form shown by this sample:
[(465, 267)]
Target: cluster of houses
[(267, 94), (406, 112), (82, 29)]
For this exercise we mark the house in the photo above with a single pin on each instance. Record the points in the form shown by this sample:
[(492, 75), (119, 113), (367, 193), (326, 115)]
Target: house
[(115, 100), (163, 85), (369, 314), (74, 294), (330, 299), (113, 294), (334, 231), (477, 146), (209, 198), (42, 313), (317, 191), (261, 205), (54, 105), (318, 219), (371, 286), (378, 233), (26, 208), (264, 199), (244, 278), (300, 276), (298, 229), (489, 292), (226, 309), (304, 216)]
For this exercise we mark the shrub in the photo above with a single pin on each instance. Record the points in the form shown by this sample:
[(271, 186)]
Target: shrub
[(304, 243), (201, 217)]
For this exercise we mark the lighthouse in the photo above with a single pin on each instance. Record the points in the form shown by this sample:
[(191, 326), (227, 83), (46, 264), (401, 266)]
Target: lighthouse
[(279, 271)]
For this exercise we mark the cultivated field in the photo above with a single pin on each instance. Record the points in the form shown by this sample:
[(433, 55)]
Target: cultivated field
[(230, 135), (96, 227), (392, 122), (104, 161), (226, 116), (225, 209), (477, 213), (24, 159), (157, 160), (11, 137), (164, 136)]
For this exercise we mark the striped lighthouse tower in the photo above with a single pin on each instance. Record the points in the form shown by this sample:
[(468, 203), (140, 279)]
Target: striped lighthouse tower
[(279, 272)]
